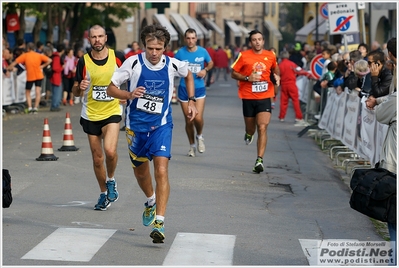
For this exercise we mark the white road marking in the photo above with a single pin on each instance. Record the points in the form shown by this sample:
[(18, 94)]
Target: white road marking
[(201, 249), (70, 244), (74, 204)]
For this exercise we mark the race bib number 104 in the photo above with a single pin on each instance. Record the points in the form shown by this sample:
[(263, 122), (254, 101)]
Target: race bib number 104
[(259, 87), (100, 93)]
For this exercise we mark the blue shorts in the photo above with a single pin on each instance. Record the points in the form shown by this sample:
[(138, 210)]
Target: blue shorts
[(200, 93), (143, 146)]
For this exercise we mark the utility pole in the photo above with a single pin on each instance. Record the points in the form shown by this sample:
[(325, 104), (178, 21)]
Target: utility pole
[(317, 21)]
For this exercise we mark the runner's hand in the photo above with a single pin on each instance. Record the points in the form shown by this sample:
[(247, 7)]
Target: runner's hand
[(192, 111)]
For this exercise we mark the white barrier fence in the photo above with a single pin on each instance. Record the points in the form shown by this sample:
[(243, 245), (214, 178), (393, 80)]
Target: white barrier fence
[(13, 89), (347, 119)]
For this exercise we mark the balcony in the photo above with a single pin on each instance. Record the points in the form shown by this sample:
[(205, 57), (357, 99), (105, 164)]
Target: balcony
[(206, 8)]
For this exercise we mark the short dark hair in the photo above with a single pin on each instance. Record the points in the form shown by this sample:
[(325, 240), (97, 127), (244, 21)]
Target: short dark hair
[(251, 33), (60, 47), (355, 55), (331, 66), (377, 55), (391, 46), (39, 44), (20, 41), (155, 31), (363, 45), (190, 30)]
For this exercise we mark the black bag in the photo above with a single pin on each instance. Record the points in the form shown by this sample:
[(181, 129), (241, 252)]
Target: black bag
[(374, 193), (7, 196), (48, 70), (317, 87)]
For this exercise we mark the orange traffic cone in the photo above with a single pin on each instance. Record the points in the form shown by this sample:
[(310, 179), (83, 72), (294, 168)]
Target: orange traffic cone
[(174, 99), (47, 145), (68, 144)]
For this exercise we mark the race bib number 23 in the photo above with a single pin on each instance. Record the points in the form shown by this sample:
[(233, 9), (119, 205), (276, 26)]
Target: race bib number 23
[(100, 93)]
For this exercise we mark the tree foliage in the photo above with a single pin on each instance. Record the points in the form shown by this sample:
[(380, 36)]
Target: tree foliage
[(294, 15), (75, 17)]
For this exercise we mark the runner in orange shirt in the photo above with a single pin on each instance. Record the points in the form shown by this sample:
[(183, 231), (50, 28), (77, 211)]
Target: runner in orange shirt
[(252, 69), (34, 64)]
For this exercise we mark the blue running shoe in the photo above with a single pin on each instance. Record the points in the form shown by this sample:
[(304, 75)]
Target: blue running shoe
[(112, 193), (149, 214), (158, 232), (102, 203)]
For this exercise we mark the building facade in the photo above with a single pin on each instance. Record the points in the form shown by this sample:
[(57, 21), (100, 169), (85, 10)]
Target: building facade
[(216, 23)]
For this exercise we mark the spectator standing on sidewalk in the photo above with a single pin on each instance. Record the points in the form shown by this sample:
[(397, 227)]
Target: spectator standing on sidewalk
[(34, 64), (135, 50), (253, 68), (386, 113), (68, 75), (56, 78), (381, 76), (209, 76), (149, 118), (221, 63), (196, 56), (288, 88), (101, 114)]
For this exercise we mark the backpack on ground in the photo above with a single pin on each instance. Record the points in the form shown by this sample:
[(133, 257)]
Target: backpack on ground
[(7, 196)]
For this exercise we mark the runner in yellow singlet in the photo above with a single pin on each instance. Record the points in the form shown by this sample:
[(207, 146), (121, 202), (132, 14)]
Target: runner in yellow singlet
[(100, 114)]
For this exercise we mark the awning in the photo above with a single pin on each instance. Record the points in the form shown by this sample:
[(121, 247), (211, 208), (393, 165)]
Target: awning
[(234, 28), (161, 19), (207, 34), (244, 30), (179, 22), (211, 24), (302, 34), (192, 24), (272, 28)]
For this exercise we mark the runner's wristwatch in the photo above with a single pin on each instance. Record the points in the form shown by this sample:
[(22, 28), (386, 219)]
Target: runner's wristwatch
[(192, 98)]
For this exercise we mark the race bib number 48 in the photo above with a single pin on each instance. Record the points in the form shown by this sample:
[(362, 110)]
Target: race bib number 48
[(150, 104), (100, 93), (259, 87)]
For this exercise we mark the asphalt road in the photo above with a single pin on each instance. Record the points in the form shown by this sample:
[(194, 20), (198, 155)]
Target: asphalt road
[(299, 196)]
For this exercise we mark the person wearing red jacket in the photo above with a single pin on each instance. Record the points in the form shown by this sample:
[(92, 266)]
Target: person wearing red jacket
[(289, 71), (211, 53), (135, 50), (221, 63), (56, 79)]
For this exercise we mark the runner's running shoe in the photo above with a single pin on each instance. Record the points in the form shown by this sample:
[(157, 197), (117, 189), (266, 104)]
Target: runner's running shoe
[(158, 232), (112, 192), (102, 203), (201, 145), (258, 168), (149, 214), (248, 139), (191, 152)]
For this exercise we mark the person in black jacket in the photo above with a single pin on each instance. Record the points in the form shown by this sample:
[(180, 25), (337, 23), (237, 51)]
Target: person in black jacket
[(296, 55), (350, 78), (381, 77)]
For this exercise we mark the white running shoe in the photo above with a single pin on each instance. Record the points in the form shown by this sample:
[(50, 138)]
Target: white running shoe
[(200, 145), (191, 152)]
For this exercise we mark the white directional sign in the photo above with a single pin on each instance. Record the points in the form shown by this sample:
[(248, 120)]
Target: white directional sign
[(343, 18)]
